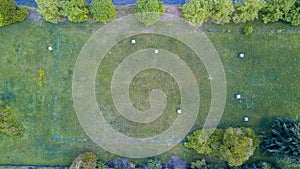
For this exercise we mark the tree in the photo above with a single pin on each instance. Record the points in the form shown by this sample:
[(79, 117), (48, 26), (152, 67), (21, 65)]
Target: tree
[(293, 16), (76, 10), (11, 13), (221, 11), (85, 161), (274, 10), (195, 11), (148, 11), (283, 138), (9, 124), (103, 10), (247, 11), (51, 10), (234, 145)]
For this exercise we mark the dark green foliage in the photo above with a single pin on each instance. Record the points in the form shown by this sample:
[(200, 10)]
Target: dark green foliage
[(85, 161), (76, 10), (234, 145), (148, 11), (293, 16), (248, 30), (247, 11), (275, 10), (221, 11), (103, 10), (11, 13), (9, 124), (195, 11), (51, 10), (283, 139)]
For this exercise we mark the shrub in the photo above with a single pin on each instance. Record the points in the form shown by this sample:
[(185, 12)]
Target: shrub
[(195, 12), (76, 10), (148, 11), (234, 145), (9, 124), (103, 10), (11, 13), (247, 11), (248, 30), (86, 161), (274, 10), (221, 11), (51, 10), (283, 139)]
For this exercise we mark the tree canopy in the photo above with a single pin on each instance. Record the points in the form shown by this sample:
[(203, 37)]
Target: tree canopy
[(148, 11), (103, 10), (51, 10), (9, 123), (11, 13), (283, 138), (234, 145), (247, 11), (221, 11), (76, 10), (195, 11), (293, 16), (275, 10)]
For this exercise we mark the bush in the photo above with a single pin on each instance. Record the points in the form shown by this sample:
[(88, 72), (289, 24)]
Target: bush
[(76, 10), (85, 161), (221, 11), (283, 139), (51, 10), (11, 13), (148, 11), (247, 11), (103, 10), (234, 145), (195, 12), (274, 10), (9, 124), (248, 30), (293, 16)]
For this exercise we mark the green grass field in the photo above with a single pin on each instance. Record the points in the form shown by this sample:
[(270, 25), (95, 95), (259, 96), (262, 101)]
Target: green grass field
[(267, 78)]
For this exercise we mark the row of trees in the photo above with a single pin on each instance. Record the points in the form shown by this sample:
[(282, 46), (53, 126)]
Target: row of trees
[(223, 11), (76, 10), (11, 13), (146, 11)]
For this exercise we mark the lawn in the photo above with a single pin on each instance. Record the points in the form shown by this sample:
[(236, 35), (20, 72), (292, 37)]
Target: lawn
[(267, 78)]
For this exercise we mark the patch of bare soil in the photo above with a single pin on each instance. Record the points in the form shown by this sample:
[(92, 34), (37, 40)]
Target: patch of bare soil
[(34, 15)]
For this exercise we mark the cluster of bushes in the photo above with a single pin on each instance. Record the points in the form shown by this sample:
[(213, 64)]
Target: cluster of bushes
[(146, 11), (89, 160), (236, 145), (223, 11), (76, 10), (11, 13)]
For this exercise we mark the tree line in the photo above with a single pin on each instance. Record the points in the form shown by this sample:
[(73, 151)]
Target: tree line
[(196, 12)]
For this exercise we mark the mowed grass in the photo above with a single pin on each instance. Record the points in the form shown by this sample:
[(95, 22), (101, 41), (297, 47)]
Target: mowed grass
[(145, 81), (267, 78)]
